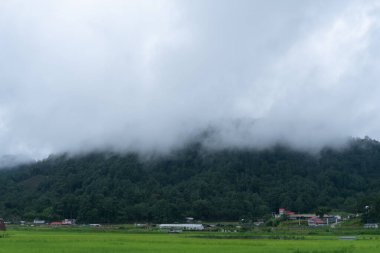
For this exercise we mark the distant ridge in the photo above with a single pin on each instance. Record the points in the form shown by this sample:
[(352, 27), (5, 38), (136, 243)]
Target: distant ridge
[(229, 184)]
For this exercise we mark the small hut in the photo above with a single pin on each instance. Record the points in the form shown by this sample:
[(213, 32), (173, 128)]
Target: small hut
[(2, 225)]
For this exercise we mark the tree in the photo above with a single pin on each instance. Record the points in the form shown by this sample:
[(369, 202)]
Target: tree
[(321, 211)]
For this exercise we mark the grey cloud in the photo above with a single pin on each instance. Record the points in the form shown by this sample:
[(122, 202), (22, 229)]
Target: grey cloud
[(150, 75)]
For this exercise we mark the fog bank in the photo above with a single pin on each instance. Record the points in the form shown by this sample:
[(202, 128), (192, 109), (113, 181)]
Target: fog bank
[(151, 75)]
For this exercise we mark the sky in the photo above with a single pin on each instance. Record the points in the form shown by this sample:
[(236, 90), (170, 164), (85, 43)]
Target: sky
[(152, 75)]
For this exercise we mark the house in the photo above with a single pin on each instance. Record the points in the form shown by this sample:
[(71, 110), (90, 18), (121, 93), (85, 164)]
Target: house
[(69, 222), (282, 212), (325, 221), (56, 223), (316, 221), (304, 216), (181, 227), (371, 225), (64, 222), (38, 222), (2, 225)]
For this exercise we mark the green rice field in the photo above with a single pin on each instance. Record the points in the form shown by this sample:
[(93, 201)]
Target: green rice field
[(58, 241)]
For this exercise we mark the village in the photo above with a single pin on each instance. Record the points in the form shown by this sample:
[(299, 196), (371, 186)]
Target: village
[(285, 217)]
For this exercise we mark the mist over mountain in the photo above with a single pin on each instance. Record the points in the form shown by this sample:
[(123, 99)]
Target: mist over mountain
[(9, 161), (147, 76), (229, 184)]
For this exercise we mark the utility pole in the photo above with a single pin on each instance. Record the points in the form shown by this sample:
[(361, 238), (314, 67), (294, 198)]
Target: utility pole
[(367, 212)]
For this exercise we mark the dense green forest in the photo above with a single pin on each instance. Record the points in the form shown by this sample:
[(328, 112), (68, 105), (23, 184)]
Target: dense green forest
[(228, 184)]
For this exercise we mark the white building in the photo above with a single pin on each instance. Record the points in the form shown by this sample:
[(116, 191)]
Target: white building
[(38, 222), (181, 227), (69, 222), (371, 225)]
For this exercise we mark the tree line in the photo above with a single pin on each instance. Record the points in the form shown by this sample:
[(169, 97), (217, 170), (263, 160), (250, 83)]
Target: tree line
[(228, 184)]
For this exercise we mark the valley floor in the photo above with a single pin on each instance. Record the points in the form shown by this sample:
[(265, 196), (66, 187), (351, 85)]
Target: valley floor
[(59, 241)]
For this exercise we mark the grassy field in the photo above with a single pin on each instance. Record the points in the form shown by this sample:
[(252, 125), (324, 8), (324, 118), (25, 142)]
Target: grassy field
[(58, 241)]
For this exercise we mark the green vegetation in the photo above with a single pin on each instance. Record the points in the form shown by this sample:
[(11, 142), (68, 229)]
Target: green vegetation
[(40, 241), (207, 185)]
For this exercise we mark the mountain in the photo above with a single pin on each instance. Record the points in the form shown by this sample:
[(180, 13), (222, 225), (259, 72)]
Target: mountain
[(226, 184)]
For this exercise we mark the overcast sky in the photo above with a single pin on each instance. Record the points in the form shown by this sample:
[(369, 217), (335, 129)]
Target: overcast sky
[(77, 75)]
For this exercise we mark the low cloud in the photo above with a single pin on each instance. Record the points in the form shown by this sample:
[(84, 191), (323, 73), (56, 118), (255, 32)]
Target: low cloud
[(150, 75)]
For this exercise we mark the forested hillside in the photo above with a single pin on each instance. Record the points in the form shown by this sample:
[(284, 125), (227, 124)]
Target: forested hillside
[(207, 185)]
